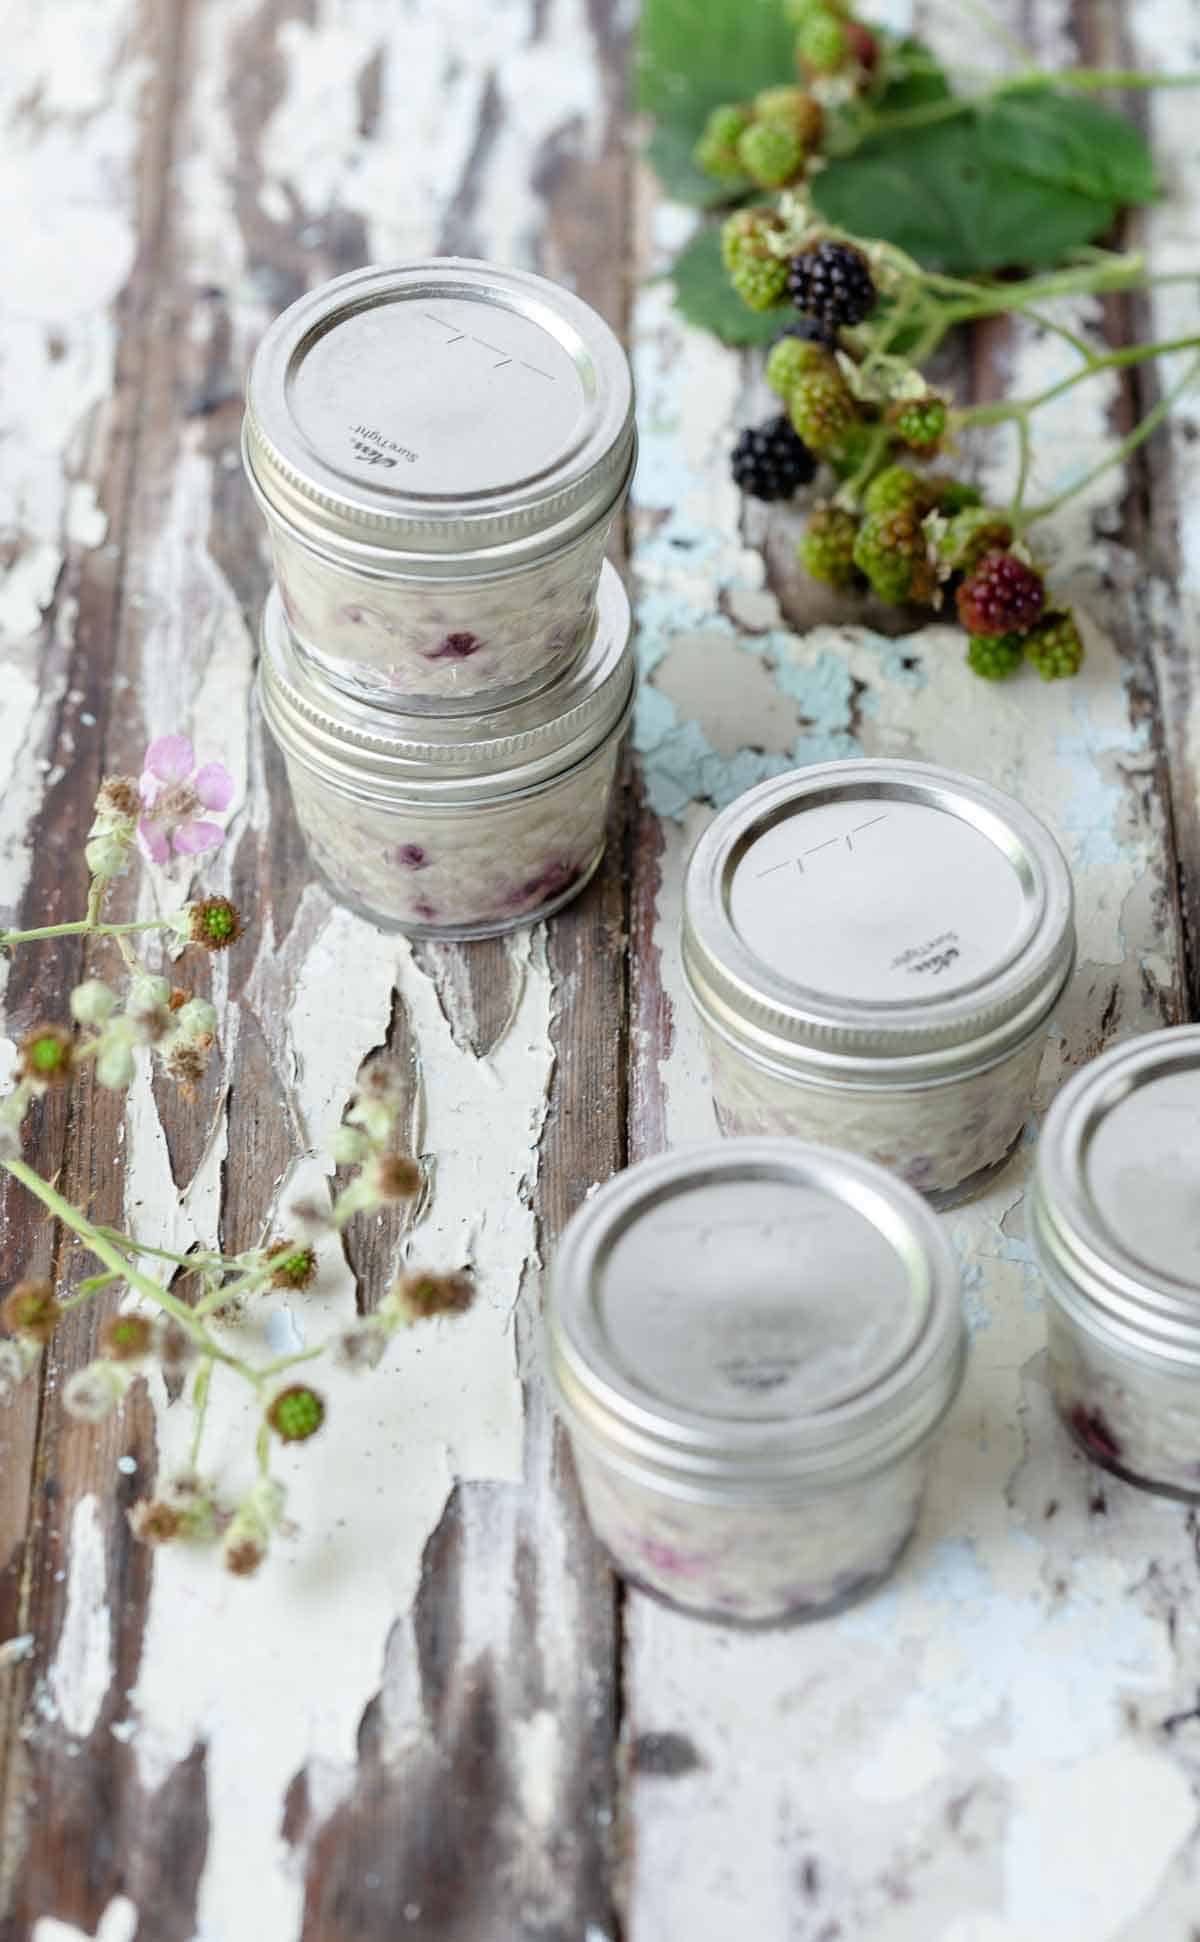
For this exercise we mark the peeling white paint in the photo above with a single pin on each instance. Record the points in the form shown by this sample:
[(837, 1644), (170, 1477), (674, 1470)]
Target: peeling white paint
[(117, 1924), (447, 1402), (82, 1666)]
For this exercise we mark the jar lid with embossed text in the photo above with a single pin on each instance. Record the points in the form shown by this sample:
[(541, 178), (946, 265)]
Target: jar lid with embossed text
[(445, 418), (877, 923), (754, 1317)]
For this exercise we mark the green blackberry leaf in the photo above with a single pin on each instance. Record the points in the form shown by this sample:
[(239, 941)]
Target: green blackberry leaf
[(937, 193), (1069, 142)]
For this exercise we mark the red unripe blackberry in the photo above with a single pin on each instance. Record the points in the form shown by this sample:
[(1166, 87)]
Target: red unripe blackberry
[(1004, 595)]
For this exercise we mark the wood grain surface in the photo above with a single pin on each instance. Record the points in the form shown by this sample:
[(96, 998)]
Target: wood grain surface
[(435, 1714)]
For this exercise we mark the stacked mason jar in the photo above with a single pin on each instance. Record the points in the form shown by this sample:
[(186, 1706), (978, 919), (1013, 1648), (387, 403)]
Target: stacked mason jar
[(439, 451)]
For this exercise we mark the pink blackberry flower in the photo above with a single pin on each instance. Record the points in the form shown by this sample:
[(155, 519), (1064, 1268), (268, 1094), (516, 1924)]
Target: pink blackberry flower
[(173, 792)]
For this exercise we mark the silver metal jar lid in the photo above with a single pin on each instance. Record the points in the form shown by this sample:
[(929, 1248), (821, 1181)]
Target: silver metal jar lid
[(877, 922), (445, 418), (380, 754), (1116, 1200), (754, 1317)]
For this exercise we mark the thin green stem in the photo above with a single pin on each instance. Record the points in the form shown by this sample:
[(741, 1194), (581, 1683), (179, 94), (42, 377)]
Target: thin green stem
[(104, 1250), (193, 1261), (999, 414), (200, 1389), (262, 1449), (289, 1362), (1070, 337), (83, 926), (90, 1287), (1079, 80), (231, 1290), (1025, 446), (1128, 445)]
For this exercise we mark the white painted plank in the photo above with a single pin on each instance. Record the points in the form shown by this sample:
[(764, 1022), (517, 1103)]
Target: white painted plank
[(973, 1755)]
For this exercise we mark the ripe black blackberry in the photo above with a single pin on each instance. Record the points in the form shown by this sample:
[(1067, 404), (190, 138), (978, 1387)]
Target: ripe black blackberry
[(832, 283), (770, 462)]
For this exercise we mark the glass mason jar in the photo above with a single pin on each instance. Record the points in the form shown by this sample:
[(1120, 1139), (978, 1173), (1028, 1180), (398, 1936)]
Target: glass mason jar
[(1116, 1224), (439, 450), (455, 825), (751, 1345), (874, 949)]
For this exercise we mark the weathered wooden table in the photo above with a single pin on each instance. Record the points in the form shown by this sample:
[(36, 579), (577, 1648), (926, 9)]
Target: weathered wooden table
[(435, 1714)]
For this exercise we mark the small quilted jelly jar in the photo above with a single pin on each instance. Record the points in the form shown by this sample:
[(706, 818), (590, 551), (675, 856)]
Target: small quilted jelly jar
[(751, 1345), (1116, 1223), (455, 825), (875, 949), (439, 450)]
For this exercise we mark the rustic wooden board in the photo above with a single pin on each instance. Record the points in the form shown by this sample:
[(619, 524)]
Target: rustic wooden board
[(407, 1725), (994, 1750), (434, 1715)]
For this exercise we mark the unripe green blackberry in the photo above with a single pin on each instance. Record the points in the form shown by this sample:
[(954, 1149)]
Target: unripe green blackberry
[(821, 43), (296, 1413), (795, 106), (895, 488), (716, 151), (1055, 647), (771, 153), (790, 359), (971, 535), (919, 423), (756, 273), (853, 452), (822, 410), (890, 550), (995, 656), (826, 546)]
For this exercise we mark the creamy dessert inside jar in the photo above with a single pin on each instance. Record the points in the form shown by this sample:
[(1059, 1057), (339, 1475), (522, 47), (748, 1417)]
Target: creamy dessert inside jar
[(875, 949), (455, 826), (1116, 1222), (439, 450), (751, 1345)]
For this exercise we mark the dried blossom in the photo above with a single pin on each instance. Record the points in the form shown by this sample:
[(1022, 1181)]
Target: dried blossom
[(257, 1517), (395, 1176), (419, 1297), (126, 1338), (186, 1064), (362, 1346), (176, 1350), (155, 1522), (47, 1055), (117, 799), (31, 1310), (312, 1220), (292, 1265)]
